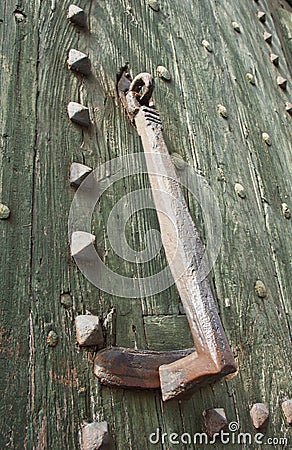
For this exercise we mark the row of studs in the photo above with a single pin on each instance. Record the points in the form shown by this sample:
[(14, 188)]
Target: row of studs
[(88, 327)]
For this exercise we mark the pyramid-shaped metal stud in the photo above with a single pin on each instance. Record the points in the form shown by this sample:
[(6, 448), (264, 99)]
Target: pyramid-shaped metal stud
[(261, 16), (236, 27), (288, 107), (215, 421), (4, 211), (268, 37), (82, 245), (78, 114), (274, 59), (95, 435), (78, 173), (89, 331), (287, 410), (266, 138), (79, 62), (260, 415), (282, 82), (77, 16)]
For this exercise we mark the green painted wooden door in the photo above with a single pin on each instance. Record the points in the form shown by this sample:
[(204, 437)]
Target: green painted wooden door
[(49, 392)]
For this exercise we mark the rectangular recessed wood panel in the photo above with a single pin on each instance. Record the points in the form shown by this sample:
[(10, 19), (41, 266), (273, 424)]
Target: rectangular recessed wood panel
[(168, 332)]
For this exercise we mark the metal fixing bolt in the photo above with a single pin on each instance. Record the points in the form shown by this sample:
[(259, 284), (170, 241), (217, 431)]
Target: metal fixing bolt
[(266, 138), (268, 37), (287, 410), (78, 114), (52, 339), (89, 331), (4, 211), (286, 211), (282, 82), (250, 78), (222, 111), (95, 436), (81, 246), (260, 289), (78, 173), (215, 420), (236, 27), (227, 303), (77, 16), (79, 62), (207, 45), (288, 107), (259, 414), (239, 190), (274, 59), (163, 73), (261, 15)]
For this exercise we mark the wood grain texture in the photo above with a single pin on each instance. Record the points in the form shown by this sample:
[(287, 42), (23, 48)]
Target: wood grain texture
[(49, 392)]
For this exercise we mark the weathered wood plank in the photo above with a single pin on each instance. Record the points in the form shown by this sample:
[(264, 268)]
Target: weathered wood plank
[(18, 120)]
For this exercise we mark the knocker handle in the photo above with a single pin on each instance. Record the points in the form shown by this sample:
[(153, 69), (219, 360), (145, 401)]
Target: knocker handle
[(212, 358)]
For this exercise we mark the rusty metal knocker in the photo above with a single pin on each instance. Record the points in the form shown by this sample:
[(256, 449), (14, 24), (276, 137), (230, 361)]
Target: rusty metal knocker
[(186, 370)]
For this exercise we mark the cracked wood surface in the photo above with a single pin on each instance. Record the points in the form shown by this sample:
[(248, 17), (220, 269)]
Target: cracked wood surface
[(48, 392)]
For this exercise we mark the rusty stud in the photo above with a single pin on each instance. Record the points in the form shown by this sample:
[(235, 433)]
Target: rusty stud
[(267, 37), (260, 289), (259, 414), (52, 339), (4, 211), (288, 107), (282, 82), (154, 4), (82, 245), (236, 27), (79, 62), (239, 190), (95, 436), (222, 111), (274, 59), (78, 173), (89, 331), (163, 73), (266, 138), (250, 78), (286, 211), (261, 16), (287, 410), (215, 420), (78, 114), (19, 16), (207, 45), (227, 303), (77, 16)]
